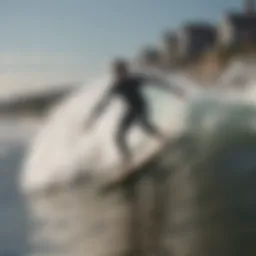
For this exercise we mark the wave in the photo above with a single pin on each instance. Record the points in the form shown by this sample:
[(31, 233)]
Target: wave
[(63, 151)]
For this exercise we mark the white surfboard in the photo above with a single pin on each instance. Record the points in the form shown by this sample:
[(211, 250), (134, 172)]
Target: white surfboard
[(128, 170)]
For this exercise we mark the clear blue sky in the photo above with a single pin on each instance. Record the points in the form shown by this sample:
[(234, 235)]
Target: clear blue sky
[(55, 40)]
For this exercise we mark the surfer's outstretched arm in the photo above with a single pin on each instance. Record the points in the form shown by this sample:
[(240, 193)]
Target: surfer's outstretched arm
[(100, 107), (166, 85)]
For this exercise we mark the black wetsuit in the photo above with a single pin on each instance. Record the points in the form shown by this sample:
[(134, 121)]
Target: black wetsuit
[(129, 89)]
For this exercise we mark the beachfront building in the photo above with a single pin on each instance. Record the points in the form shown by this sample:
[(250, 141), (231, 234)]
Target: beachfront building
[(170, 49), (194, 39), (239, 28), (149, 57)]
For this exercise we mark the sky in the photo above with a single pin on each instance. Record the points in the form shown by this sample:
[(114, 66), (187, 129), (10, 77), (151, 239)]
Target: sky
[(55, 41)]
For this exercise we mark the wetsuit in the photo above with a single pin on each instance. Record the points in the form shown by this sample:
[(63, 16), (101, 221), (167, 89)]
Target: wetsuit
[(129, 89)]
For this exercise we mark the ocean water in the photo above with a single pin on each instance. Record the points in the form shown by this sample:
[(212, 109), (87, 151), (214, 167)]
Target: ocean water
[(14, 142), (77, 220), (203, 215), (48, 224)]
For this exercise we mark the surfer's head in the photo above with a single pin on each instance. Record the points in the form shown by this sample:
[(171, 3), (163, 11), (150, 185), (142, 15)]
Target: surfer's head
[(120, 68)]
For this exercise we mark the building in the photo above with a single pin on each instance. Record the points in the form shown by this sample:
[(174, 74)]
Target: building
[(170, 49), (249, 6), (239, 28), (149, 56), (195, 39)]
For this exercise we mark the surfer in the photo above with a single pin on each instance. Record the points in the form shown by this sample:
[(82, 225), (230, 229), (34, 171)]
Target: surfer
[(128, 87)]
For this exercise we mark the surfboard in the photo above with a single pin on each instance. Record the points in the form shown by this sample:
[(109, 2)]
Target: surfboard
[(129, 170)]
